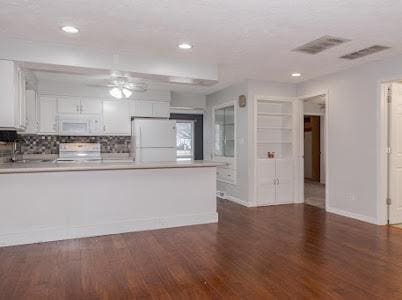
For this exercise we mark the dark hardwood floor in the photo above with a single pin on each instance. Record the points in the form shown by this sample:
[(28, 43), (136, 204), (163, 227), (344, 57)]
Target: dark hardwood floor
[(286, 252)]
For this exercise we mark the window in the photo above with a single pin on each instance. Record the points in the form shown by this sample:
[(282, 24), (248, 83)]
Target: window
[(224, 131), (185, 140)]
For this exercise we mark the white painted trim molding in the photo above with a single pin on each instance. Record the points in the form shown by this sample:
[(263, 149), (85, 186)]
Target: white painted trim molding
[(39, 235), (225, 196)]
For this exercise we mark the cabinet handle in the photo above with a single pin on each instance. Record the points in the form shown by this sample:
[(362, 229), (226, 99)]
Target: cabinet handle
[(274, 181), (277, 181), (104, 127), (81, 107), (77, 108)]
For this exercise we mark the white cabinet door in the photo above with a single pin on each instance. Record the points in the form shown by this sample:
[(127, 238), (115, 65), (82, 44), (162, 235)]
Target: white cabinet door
[(266, 182), (32, 122), (21, 103), (160, 110), (69, 105), (116, 117), (284, 186), (142, 109), (91, 106), (48, 115)]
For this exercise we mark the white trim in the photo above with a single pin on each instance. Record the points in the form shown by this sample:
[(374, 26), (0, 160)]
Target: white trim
[(382, 174), (187, 110), (301, 146), (62, 233), (348, 214), (225, 196)]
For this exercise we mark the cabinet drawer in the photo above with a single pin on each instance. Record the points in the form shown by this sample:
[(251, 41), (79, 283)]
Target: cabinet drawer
[(226, 175)]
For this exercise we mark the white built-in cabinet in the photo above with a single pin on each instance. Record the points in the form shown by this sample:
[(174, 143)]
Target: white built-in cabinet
[(116, 117), (275, 181), (150, 109), (275, 134), (48, 115), (12, 95), (224, 121)]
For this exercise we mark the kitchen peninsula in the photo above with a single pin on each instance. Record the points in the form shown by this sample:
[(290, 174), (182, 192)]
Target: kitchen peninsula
[(45, 201)]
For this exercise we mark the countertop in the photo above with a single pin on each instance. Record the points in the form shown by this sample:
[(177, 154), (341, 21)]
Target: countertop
[(38, 166)]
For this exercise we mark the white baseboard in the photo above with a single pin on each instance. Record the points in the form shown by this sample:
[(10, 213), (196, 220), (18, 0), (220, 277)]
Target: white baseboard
[(39, 235), (223, 195), (348, 214)]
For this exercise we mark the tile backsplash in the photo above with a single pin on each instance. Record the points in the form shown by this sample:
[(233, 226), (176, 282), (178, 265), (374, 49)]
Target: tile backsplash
[(49, 144)]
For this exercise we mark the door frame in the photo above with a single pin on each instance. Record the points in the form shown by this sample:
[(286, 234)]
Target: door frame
[(300, 156)]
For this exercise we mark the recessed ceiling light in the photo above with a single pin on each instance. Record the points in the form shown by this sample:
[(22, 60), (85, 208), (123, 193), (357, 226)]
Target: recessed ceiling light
[(296, 74), (185, 46), (70, 29)]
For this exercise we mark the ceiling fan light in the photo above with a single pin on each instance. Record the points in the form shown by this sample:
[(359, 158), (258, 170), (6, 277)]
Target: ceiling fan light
[(116, 93), (127, 93)]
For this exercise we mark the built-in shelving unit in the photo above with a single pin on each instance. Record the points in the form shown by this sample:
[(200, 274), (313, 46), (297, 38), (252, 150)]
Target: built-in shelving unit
[(274, 128), (274, 133)]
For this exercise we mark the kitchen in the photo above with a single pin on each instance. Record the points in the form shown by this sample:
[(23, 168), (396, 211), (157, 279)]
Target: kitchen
[(83, 155)]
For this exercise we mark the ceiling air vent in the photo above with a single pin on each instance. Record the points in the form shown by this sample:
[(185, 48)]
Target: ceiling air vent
[(321, 44), (365, 52)]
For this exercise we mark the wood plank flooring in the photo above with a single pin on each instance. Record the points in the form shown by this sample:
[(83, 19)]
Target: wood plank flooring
[(283, 252)]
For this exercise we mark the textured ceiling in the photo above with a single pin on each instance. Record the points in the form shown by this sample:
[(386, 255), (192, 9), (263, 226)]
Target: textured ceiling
[(247, 39)]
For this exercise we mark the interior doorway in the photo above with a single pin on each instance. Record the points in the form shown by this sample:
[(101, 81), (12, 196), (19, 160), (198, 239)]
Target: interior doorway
[(314, 109)]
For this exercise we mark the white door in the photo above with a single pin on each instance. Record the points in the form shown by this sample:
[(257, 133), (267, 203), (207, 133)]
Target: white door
[(116, 117), (284, 183), (91, 106), (160, 110), (155, 133), (31, 112), (142, 109), (69, 105), (266, 181), (48, 115), (395, 169)]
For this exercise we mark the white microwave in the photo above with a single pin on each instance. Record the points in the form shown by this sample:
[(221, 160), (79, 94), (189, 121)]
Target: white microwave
[(79, 124)]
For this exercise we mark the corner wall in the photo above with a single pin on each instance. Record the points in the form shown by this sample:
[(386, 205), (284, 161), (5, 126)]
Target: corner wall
[(353, 136)]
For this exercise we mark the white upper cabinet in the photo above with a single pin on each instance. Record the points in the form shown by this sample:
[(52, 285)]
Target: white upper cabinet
[(116, 117), (150, 109), (12, 95), (48, 115), (69, 105), (142, 109), (160, 110), (32, 121), (91, 106)]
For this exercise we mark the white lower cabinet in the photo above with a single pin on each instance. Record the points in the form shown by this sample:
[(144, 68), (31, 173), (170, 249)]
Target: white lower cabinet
[(116, 117), (275, 181), (48, 115)]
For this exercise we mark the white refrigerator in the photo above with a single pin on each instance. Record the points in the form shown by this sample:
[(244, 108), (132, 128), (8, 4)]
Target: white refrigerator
[(154, 140)]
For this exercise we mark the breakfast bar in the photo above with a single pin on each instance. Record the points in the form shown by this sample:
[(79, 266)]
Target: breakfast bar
[(46, 201)]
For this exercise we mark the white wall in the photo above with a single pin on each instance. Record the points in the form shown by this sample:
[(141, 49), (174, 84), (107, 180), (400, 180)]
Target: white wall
[(353, 135), (244, 189)]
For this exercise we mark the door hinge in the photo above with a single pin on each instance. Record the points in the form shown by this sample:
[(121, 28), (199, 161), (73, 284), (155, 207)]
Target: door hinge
[(389, 95), (388, 201)]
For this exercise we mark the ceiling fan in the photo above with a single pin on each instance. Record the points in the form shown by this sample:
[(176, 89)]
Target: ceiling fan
[(123, 87)]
